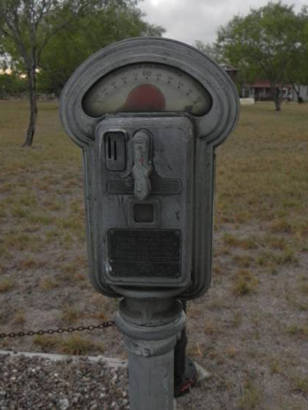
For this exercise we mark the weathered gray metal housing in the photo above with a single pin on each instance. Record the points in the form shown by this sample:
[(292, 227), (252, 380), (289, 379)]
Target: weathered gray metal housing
[(204, 134)]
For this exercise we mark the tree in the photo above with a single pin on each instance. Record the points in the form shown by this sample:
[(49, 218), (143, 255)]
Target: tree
[(211, 50), (265, 44), (26, 26), (68, 48), (297, 69)]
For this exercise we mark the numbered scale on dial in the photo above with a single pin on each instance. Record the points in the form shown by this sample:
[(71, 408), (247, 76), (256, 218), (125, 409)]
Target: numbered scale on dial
[(147, 87)]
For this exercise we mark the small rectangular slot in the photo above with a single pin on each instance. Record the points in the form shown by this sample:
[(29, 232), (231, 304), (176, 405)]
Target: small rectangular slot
[(115, 151), (109, 148), (144, 213)]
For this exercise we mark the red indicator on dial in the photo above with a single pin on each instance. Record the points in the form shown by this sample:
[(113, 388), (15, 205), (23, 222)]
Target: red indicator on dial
[(145, 97)]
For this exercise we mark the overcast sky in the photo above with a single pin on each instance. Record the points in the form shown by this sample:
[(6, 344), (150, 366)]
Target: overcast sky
[(190, 20)]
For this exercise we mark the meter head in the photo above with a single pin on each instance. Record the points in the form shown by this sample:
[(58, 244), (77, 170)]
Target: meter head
[(148, 114)]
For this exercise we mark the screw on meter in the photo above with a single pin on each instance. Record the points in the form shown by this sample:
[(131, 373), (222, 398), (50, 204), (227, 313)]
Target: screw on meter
[(147, 88)]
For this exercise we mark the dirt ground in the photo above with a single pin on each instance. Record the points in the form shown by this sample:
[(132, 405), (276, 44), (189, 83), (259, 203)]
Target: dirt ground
[(254, 345), (250, 331)]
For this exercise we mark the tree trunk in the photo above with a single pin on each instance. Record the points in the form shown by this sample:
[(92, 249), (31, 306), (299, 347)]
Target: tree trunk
[(31, 76), (276, 97), (298, 94)]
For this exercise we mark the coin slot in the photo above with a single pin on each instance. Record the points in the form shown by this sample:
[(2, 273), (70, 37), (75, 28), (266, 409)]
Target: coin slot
[(143, 213), (115, 151), (109, 148)]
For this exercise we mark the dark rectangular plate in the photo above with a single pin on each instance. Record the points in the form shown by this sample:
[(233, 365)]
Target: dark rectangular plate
[(144, 252)]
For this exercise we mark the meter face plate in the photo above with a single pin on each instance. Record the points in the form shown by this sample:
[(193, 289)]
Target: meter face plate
[(147, 87)]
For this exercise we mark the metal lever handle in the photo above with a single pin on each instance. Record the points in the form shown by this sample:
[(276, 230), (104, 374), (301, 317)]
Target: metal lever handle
[(142, 165)]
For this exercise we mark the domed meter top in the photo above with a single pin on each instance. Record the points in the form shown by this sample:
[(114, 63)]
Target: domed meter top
[(147, 87), (148, 113), (124, 76)]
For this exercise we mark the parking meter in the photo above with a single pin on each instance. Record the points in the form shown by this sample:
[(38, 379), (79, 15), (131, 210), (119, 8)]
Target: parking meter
[(148, 114)]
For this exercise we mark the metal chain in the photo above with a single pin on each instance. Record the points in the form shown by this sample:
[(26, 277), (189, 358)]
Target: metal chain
[(102, 325)]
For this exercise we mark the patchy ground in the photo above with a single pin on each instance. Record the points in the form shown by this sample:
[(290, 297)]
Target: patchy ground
[(250, 331)]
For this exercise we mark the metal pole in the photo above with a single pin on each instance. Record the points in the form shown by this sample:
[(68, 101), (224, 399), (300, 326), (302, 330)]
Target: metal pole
[(151, 328)]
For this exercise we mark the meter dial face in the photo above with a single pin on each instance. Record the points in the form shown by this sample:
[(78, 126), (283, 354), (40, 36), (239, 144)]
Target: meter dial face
[(147, 87)]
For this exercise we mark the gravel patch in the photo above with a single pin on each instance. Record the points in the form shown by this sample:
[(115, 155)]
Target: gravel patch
[(41, 383), (62, 382)]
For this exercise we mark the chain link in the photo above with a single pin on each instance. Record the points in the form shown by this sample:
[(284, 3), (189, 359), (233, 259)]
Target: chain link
[(41, 332)]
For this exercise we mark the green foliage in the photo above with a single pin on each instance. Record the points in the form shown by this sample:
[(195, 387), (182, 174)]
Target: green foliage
[(297, 69), (262, 41), (211, 50), (26, 26), (60, 35), (84, 36), (269, 43), (12, 85), (67, 32)]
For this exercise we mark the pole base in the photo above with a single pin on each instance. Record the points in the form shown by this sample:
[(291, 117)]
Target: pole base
[(151, 328), (188, 379)]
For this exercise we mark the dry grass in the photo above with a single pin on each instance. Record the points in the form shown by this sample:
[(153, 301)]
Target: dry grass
[(304, 288), (70, 315), (244, 243), (73, 344), (6, 285), (46, 343), (300, 384), (19, 318), (47, 284), (251, 397), (268, 180), (244, 261), (255, 310), (244, 283), (298, 330), (78, 345)]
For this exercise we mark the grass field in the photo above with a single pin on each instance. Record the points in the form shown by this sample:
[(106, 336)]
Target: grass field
[(250, 330)]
